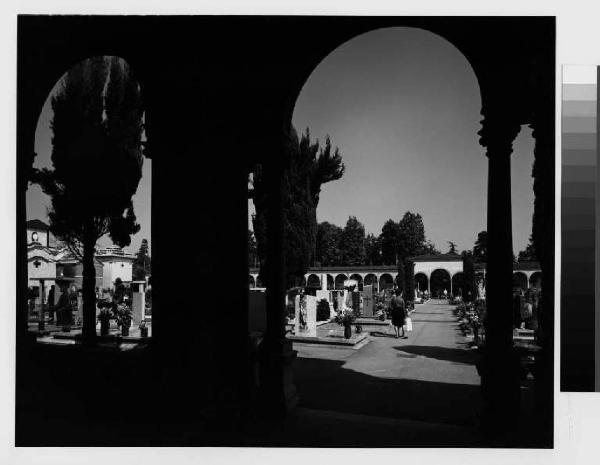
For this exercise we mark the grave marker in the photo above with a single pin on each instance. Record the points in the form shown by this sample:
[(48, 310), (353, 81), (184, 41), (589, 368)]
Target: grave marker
[(368, 300)]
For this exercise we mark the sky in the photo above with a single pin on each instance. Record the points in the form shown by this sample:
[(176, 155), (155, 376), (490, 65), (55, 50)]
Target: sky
[(38, 202), (403, 106)]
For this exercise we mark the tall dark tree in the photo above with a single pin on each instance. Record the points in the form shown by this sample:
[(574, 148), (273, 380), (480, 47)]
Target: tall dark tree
[(480, 248), (469, 278), (529, 254), (97, 122), (352, 244), (328, 244), (390, 242), (308, 167), (409, 281), (412, 235), (141, 265), (252, 252), (452, 250), (401, 278), (372, 250)]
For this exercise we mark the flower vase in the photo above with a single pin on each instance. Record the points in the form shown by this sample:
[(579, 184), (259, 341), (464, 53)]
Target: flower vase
[(104, 328), (347, 331)]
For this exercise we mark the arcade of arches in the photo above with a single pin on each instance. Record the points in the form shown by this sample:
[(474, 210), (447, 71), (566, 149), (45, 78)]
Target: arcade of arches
[(253, 91)]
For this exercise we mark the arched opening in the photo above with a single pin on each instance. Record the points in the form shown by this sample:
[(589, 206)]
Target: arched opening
[(339, 281), (535, 280), (520, 281), (330, 282), (386, 282), (421, 282), (89, 140), (371, 280), (313, 281), (457, 284), (251, 281), (440, 282), (359, 279)]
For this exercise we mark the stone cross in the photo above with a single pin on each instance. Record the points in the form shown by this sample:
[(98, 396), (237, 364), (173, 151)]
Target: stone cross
[(368, 300)]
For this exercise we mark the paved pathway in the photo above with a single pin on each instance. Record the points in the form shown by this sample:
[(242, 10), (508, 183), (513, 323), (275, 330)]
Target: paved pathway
[(430, 376)]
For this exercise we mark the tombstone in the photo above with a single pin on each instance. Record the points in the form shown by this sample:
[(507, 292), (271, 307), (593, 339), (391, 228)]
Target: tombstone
[(340, 301), (79, 316), (368, 300), (257, 311), (355, 299), (306, 316)]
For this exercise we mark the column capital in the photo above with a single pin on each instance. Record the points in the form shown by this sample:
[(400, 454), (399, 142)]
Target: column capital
[(497, 134)]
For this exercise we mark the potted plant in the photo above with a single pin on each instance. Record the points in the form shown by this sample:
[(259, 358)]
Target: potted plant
[(104, 319), (123, 314), (143, 329), (345, 318)]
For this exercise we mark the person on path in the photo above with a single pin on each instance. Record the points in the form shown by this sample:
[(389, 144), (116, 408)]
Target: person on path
[(398, 313)]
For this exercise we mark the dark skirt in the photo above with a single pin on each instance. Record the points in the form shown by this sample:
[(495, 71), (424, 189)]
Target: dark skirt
[(398, 317)]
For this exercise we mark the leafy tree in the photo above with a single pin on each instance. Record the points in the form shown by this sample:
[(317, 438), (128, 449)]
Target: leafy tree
[(469, 278), (480, 248), (409, 281), (328, 244), (308, 167), (529, 254), (430, 249), (412, 234), (141, 265), (97, 122), (390, 242), (452, 248), (352, 244), (372, 250)]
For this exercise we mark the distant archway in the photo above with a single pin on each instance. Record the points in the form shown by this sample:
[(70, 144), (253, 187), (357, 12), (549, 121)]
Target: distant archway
[(440, 282), (339, 281), (313, 281), (421, 282), (458, 284), (535, 280), (386, 282), (359, 279), (519, 280), (371, 280)]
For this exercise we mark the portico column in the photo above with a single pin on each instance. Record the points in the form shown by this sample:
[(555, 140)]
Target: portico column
[(450, 284), (278, 391), (429, 284), (499, 372)]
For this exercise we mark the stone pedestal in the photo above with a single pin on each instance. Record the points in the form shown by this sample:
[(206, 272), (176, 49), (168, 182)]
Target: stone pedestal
[(306, 316), (138, 302)]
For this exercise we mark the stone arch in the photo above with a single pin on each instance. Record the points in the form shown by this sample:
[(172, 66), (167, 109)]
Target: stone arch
[(535, 280), (458, 284), (358, 278), (339, 281), (440, 280), (386, 281), (371, 279), (421, 282), (313, 281), (330, 281), (520, 281)]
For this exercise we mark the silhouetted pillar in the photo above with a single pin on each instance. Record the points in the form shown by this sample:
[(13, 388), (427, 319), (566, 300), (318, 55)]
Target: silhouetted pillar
[(499, 370), (278, 390), (543, 238)]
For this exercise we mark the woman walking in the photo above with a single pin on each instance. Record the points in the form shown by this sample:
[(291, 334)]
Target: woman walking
[(398, 313)]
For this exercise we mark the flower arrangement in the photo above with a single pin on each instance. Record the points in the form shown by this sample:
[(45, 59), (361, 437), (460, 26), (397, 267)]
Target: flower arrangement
[(345, 317), (123, 316), (470, 318)]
